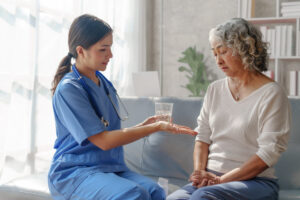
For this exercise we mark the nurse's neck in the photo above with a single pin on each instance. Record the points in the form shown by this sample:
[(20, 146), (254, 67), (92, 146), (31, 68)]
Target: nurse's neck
[(88, 72)]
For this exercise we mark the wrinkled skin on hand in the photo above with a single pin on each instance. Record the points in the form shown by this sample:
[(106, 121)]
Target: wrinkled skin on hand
[(201, 178)]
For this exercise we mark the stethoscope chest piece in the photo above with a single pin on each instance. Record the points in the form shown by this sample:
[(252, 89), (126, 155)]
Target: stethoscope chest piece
[(105, 122)]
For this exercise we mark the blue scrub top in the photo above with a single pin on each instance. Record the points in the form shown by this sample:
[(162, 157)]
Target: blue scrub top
[(76, 120)]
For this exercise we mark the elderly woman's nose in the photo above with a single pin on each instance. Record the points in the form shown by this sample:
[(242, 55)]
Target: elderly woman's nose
[(219, 60)]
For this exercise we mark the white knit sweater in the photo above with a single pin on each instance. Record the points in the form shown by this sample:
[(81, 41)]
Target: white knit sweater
[(236, 130)]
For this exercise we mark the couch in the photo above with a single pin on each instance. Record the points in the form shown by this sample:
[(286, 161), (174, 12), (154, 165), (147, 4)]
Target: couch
[(168, 156)]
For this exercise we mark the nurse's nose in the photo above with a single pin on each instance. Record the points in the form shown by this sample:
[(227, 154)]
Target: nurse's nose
[(110, 55)]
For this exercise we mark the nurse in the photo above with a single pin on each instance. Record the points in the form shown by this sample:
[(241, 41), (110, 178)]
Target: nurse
[(89, 161)]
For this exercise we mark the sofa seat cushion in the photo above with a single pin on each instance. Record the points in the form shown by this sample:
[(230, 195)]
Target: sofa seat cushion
[(31, 187), (289, 194)]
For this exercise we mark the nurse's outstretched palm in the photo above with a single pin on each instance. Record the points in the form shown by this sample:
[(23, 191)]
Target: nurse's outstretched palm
[(176, 129), (154, 119)]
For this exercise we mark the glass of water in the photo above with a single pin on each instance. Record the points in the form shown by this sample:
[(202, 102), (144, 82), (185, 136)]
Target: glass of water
[(164, 111)]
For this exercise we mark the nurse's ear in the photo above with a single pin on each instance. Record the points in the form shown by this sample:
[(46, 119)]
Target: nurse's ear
[(81, 52)]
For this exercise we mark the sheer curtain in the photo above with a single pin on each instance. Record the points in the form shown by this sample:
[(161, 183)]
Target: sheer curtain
[(127, 18), (33, 40)]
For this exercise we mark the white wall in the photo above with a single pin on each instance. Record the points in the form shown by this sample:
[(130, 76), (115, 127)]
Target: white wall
[(187, 23)]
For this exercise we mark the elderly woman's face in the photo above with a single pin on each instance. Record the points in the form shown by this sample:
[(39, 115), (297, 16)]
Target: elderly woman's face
[(230, 64)]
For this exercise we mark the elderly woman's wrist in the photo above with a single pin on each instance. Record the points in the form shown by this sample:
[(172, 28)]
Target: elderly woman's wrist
[(199, 168), (222, 179)]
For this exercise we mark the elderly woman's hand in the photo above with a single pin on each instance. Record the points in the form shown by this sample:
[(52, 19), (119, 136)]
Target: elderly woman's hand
[(202, 178)]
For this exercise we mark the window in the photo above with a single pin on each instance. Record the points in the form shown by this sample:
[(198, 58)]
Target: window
[(33, 41)]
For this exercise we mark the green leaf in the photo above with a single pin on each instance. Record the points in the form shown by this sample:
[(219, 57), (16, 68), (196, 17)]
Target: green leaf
[(196, 71), (182, 68), (189, 77)]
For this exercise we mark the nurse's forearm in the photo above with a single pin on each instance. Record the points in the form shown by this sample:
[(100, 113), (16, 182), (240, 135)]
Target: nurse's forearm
[(248, 170), (110, 139)]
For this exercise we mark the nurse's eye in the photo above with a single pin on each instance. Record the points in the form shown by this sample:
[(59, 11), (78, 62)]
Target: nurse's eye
[(102, 50)]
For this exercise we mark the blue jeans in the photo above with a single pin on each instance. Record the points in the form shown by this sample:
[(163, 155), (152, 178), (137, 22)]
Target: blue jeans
[(254, 189)]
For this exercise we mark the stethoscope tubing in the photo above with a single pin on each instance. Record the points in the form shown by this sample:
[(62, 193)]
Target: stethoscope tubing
[(92, 100)]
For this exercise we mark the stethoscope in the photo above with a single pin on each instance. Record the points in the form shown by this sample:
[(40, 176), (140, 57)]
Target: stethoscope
[(92, 100)]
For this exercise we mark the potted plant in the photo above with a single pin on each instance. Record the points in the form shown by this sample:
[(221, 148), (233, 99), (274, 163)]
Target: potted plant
[(196, 71)]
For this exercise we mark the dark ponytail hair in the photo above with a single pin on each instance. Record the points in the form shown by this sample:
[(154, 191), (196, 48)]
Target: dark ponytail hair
[(85, 31)]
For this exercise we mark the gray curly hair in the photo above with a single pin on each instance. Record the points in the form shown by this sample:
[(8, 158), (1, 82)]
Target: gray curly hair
[(245, 40)]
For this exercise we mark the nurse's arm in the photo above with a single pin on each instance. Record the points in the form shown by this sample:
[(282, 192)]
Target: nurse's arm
[(110, 139)]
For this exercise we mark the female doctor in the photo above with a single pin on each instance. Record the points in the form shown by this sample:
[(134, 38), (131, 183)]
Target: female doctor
[(89, 161)]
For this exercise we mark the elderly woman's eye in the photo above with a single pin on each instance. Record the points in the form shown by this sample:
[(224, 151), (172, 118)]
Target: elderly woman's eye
[(223, 52)]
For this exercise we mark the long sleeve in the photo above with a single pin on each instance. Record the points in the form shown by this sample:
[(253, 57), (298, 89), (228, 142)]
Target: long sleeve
[(203, 128), (274, 127)]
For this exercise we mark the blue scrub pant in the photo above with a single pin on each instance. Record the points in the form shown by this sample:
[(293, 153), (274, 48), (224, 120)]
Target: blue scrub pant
[(118, 186), (254, 189)]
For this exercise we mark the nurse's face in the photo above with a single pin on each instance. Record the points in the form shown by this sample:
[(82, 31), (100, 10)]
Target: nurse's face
[(98, 55)]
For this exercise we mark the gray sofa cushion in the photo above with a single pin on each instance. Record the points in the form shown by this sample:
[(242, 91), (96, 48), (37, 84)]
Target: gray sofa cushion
[(289, 194), (288, 166)]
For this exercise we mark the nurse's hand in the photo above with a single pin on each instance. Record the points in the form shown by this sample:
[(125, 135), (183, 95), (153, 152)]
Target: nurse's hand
[(175, 128), (151, 120)]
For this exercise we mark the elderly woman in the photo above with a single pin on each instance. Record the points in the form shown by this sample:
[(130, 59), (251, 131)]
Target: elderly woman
[(244, 123)]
